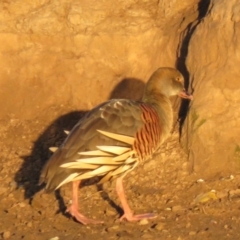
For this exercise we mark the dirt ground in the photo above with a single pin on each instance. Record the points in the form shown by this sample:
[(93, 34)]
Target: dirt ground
[(187, 207)]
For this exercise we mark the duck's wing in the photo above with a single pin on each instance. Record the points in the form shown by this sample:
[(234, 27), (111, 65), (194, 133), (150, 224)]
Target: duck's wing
[(93, 137)]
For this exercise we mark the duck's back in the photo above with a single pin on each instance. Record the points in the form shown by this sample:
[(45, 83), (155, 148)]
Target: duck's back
[(125, 117)]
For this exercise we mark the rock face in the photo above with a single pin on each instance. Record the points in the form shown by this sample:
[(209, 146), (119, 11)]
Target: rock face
[(213, 125), (76, 54)]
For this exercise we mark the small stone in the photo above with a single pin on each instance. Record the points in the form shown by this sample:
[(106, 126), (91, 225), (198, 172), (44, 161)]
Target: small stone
[(123, 234), (2, 190), (150, 164), (159, 226), (192, 233), (168, 209), (29, 224), (143, 222), (222, 194), (213, 222), (188, 225), (13, 184), (22, 205), (202, 231), (110, 212), (225, 226), (147, 235), (234, 193), (36, 204), (163, 155), (112, 228), (6, 235), (10, 195), (54, 238), (177, 208)]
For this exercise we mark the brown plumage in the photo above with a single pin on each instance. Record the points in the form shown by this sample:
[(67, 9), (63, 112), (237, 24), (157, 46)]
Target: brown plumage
[(113, 138)]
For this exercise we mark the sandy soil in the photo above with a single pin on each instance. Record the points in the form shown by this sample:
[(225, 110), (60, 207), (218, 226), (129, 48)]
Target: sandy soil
[(185, 206)]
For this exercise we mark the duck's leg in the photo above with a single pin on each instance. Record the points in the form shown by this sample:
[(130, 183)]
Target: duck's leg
[(128, 214), (73, 209)]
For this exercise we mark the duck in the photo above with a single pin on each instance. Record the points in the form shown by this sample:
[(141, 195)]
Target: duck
[(114, 138)]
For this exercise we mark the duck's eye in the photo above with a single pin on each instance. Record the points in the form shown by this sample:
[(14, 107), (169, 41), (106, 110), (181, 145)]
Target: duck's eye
[(178, 79)]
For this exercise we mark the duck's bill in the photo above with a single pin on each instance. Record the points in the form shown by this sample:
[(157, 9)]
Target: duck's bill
[(185, 95)]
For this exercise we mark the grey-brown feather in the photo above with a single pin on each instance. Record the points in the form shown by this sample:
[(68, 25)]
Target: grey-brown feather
[(109, 116)]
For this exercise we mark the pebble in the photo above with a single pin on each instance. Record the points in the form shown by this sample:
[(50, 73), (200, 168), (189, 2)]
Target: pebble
[(188, 225), (110, 212), (177, 208), (192, 233), (54, 238), (150, 164), (6, 235), (163, 155), (29, 224), (22, 204), (159, 226), (213, 222), (13, 185), (147, 235), (124, 234), (168, 209), (2, 190), (36, 204), (112, 228), (143, 222), (222, 194), (234, 193)]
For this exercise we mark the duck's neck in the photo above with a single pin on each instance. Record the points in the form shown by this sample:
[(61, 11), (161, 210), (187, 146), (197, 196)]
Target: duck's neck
[(163, 106)]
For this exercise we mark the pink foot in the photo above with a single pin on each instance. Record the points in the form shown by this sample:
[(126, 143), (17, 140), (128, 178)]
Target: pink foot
[(131, 217), (80, 217)]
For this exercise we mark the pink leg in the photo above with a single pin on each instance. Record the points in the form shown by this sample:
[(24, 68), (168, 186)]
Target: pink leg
[(73, 209), (128, 214)]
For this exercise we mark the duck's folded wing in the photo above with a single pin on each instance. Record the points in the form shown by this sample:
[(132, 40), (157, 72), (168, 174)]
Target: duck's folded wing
[(120, 117)]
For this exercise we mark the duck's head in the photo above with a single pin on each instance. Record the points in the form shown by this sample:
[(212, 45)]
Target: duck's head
[(167, 82)]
